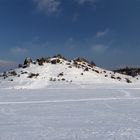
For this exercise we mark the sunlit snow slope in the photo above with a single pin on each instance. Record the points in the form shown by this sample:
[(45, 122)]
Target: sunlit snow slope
[(43, 73)]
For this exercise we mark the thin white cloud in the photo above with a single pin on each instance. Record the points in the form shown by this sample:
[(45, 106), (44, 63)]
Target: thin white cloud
[(49, 7), (86, 1), (19, 50), (52, 7), (99, 48), (102, 33), (4, 63)]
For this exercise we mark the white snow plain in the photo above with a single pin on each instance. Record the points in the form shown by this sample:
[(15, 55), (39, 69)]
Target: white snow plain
[(71, 112)]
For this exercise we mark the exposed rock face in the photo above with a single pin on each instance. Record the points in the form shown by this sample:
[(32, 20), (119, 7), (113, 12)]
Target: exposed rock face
[(41, 61), (27, 61)]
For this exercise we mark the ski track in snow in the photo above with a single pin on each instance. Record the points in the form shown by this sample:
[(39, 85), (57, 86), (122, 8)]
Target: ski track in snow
[(63, 101), (70, 114), (127, 93)]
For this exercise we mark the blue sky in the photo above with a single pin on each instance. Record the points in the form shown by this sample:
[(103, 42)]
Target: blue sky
[(105, 31)]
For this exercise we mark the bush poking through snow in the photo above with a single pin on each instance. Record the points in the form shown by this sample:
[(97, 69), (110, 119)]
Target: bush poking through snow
[(96, 71), (59, 56), (33, 75), (86, 69), (81, 60), (69, 66), (128, 81), (27, 61), (24, 66), (113, 77), (20, 65), (24, 72), (60, 74), (12, 73), (55, 61), (53, 79), (41, 61), (63, 79), (119, 78), (67, 63), (5, 75)]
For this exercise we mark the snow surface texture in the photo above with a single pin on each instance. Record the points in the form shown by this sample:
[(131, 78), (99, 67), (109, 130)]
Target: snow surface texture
[(70, 113), (68, 102), (64, 73)]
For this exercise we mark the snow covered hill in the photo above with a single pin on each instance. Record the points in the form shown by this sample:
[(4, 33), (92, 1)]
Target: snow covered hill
[(58, 70)]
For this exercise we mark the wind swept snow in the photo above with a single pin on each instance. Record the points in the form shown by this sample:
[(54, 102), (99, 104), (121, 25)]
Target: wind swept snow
[(70, 114)]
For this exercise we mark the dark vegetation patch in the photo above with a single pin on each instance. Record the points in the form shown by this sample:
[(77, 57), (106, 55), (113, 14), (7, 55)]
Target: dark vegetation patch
[(52, 79), (86, 69), (20, 65), (12, 73), (69, 66), (129, 71), (60, 74), (63, 79), (67, 63), (55, 61), (96, 71), (59, 56), (113, 77), (27, 61), (119, 78), (33, 75), (128, 81), (41, 61), (81, 60), (24, 72)]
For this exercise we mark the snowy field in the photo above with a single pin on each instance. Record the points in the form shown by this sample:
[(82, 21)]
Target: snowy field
[(97, 113)]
